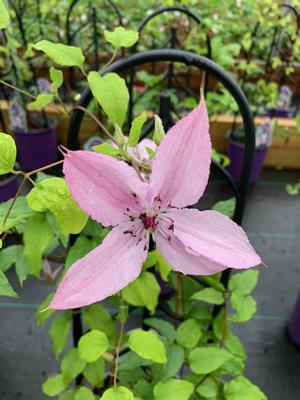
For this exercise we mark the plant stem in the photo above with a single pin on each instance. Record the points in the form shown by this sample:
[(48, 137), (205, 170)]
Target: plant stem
[(225, 325), (119, 343), (12, 204), (18, 90), (108, 62), (99, 123), (43, 168)]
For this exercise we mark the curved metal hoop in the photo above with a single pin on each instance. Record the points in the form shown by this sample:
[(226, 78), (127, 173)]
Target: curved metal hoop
[(189, 59)]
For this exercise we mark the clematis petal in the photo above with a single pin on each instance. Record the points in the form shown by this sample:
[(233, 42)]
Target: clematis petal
[(182, 261), (214, 236), (104, 271), (181, 167), (103, 187)]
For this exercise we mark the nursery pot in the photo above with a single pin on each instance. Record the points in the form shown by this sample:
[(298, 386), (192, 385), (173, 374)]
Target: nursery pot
[(37, 147), (8, 186), (236, 152), (294, 323)]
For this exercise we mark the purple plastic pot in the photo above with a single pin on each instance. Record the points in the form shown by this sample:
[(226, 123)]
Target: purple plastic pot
[(277, 113), (9, 187), (236, 154), (38, 147), (294, 323)]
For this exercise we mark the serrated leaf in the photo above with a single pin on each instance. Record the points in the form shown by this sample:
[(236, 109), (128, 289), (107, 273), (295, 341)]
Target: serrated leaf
[(188, 333), (241, 388), (143, 292), (209, 295), (118, 393), (5, 287), (173, 389), (159, 132), (4, 16), (53, 194), (245, 306), (19, 213), (244, 281), (56, 77), (37, 236), (135, 130), (121, 37), (164, 327), (80, 248), (147, 345), (226, 207), (72, 365), (175, 360), (54, 385), (8, 153), (94, 373), (59, 331), (68, 56), (112, 94), (41, 101), (92, 345), (106, 148), (204, 360)]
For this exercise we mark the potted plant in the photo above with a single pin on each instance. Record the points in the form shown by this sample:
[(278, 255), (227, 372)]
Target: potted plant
[(33, 129)]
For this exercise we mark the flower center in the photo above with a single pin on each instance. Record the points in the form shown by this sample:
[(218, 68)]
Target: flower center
[(149, 221)]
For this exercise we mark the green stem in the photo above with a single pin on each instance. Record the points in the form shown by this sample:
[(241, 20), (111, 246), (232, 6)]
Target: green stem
[(18, 90), (119, 343), (110, 61)]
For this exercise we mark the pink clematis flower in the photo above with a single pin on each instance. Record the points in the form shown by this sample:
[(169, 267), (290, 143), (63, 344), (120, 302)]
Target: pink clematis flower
[(193, 242)]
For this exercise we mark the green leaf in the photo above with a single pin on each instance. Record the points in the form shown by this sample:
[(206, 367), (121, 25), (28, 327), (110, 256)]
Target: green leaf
[(37, 236), (112, 94), (84, 393), (244, 281), (143, 292), (150, 152), (54, 385), (41, 314), (92, 345), (245, 306), (59, 331), (53, 194), (164, 327), (136, 128), (234, 345), (72, 365), (151, 260), (9, 256), (164, 266), (106, 148), (56, 77), (41, 101), (208, 388), (97, 317), (8, 153), (4, 16), (22, 266), (209, 295), (119, 393), (80, 248), (175, 360), (68, 56), (233, 367), (226, 207), (68, 395), (204, 360), (121, 37), (5, 288), (19, 213), (159, 132), (173, 389), (188, 333), (147, 345), (241, 388), (94, 373)]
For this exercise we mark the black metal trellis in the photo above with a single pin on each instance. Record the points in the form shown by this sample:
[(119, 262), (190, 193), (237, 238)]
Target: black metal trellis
[(203, 63), (94, 18)]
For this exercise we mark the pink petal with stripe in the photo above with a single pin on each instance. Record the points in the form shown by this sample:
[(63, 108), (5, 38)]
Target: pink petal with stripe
[(104, 271), (103, 187), (181, 167)]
